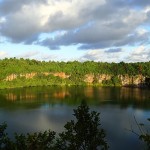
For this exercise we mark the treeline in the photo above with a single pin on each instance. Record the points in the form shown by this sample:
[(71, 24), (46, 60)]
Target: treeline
[(13, 65), (76, 71)]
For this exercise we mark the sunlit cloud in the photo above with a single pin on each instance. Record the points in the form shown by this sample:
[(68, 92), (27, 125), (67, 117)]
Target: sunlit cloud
[(140, 54), (110, 55), (87, 25), (3, 54), (28, 54)]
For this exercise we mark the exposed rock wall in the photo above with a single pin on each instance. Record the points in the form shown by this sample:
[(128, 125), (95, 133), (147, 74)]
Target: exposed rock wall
[(103, 77), (11, 77), (15, 76), (89, 78), (125, 80), (33, 74), (136, 80), (61, 75)]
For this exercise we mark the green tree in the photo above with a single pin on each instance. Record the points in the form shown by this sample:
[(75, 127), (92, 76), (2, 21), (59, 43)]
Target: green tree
[(3, 135), (84, 133), (145, 136), (143, 133), (35, 141)]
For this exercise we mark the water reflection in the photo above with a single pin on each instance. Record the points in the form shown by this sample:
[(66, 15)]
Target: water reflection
[(61, 94), (71, 95), (43, 108), (11, 97)]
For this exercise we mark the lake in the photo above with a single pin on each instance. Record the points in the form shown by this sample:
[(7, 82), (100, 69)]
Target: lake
[(41, 108)]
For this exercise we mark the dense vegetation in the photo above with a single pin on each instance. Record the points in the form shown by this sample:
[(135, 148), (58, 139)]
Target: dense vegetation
[(76, 71), (85, 133)]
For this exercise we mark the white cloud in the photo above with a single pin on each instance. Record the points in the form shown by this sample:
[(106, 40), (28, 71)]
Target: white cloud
[(48, 57), (138, 51), (113, 20), (95, 25), (2, 20), (3, 54), (102, 55), (28, 54), (141, 31), (139, 54)]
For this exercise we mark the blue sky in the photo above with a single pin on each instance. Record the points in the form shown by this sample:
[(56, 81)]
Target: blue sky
[(68, 30)]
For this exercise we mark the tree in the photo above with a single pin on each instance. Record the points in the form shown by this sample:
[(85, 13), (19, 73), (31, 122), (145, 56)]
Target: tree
[(3, 135), (145, 136), (38, 141), (84, 133)]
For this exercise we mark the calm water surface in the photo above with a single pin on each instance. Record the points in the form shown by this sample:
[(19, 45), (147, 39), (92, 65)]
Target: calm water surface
[(41, 108)]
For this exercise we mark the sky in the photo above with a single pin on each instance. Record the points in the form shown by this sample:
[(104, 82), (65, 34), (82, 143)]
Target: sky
[(69, 30)]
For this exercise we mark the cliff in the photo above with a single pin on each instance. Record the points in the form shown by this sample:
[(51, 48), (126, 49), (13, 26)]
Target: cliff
[(90, 79), (34, 74), (123, 80)]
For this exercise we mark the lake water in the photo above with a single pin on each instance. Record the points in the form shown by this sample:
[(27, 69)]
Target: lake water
[(42, 108)]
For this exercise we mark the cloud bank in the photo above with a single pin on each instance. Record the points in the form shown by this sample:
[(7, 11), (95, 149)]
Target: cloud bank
[(90, 24)]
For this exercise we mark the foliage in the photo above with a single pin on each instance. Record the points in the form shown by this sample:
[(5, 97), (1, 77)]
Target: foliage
[(76, 71), (146, 139), (145, 136), (83, 134), (38, 141), (4, 140)]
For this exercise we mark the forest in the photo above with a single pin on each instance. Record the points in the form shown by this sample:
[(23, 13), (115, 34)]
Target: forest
[(25, 72)]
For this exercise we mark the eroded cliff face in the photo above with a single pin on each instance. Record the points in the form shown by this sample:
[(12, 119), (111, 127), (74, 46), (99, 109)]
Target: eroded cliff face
[(90, 78), (125, 80), (11, 77), (15, 76), (33, 74), (137, 80)]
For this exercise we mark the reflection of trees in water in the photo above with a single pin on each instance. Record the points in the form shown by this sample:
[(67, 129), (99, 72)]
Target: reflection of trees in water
[(133, 93), (28, 97), (11, 96), (89, 92), (61, 94), (96, 95), (25, 96)]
